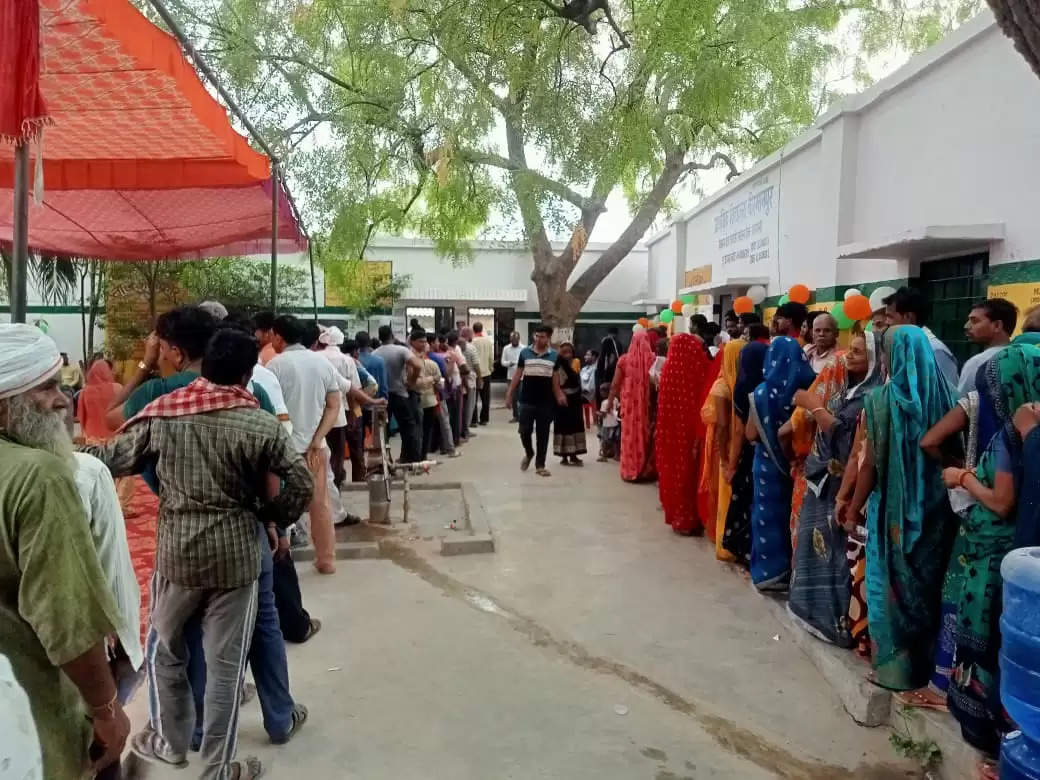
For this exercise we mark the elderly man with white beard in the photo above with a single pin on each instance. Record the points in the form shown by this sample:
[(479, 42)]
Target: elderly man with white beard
[(56, 606)]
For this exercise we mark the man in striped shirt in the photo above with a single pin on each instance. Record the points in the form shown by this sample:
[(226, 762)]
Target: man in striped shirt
[(540, 392)]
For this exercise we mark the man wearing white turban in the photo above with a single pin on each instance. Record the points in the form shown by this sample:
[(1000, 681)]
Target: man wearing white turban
[(56, 607)]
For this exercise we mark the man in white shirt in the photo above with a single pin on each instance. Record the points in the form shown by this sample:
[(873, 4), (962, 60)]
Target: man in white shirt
[(263, 377), (473, 380), (990, 323), (485, 348), (510, 360), (313, 397)]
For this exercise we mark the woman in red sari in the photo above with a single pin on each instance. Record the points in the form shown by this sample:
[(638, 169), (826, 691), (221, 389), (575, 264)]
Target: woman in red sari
[(680, 432), (633, 380)]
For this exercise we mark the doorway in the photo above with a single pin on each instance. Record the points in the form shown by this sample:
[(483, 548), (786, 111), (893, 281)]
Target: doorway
[(951, 285)]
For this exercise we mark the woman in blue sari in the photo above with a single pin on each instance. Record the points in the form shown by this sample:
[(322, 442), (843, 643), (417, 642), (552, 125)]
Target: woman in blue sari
[(786, 372), (910, 525)]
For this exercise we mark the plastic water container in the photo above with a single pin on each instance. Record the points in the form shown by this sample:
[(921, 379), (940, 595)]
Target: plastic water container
[(1019, 758), (1020, 641)]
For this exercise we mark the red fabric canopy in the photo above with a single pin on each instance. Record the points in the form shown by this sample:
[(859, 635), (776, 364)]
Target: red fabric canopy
[(141, 161), (22, 111), (185, 224)]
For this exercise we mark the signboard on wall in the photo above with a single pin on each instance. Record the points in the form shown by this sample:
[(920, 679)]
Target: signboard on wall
[(1023, 294), (745, 230), (697, 276), (369, 276)]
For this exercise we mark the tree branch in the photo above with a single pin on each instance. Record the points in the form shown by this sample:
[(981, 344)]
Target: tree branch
[(544, 182), (715, 158)]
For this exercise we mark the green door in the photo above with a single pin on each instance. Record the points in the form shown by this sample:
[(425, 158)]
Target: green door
[(951, 286)]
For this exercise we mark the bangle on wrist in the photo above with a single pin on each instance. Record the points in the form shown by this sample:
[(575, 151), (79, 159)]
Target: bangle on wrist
[(106, 711), (816, 409), (960, 481)]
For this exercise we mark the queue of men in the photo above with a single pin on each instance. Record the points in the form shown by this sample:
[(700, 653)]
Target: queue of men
[(237, 453)]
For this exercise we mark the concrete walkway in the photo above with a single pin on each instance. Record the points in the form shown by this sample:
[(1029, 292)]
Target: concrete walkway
[(594, 643)]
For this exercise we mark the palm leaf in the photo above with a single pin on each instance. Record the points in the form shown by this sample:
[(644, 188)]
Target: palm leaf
[(55, 278)]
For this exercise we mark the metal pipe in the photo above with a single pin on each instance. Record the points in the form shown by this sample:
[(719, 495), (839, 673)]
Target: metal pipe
[(20, 263), (314, 285), (274, 236)]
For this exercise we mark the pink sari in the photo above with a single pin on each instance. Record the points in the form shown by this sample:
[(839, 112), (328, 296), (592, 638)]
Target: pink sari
[(637, 454)]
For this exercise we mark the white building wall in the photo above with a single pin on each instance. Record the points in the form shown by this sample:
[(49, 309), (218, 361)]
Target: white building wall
[(958, 144)]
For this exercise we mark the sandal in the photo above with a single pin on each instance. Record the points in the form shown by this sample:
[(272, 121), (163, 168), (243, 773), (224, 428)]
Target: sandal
[(312, 629), (924, 699), (151, 747), (543, 472), (299, 717), (248, 768)]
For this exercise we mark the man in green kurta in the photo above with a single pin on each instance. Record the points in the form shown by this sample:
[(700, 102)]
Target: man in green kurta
[(56, 608)]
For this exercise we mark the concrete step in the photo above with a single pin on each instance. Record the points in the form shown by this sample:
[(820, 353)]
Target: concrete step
[(870, 705)]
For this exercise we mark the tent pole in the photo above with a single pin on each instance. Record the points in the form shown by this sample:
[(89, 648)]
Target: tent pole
[(274, 236), (314, 285), (20, 264)]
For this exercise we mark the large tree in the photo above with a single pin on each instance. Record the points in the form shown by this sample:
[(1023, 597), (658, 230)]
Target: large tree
[(439, 117)]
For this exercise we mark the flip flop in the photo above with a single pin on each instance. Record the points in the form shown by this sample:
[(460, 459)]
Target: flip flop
[(543, 472), (299, 717), (312, 629), (921, 699), (150, 747), (248, 768)]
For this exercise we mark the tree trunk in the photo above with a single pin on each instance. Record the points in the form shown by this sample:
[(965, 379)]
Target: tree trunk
[(82, 311), (1019, 21)]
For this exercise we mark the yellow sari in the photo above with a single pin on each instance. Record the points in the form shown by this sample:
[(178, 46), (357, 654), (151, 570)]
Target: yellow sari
[(723, 391)]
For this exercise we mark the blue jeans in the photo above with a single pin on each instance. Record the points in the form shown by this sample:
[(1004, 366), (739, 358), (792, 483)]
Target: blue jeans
[(266, 656)]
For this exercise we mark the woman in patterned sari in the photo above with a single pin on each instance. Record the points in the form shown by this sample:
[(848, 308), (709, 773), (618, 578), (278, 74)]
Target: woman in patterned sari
[(720, 399), (786, 372), (632, 382), (679, 439), (569, 426), (910, 525), (821, 581), (1013, 380)]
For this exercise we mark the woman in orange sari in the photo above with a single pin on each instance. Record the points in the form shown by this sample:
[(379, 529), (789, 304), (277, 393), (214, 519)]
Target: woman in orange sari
[(708, 484), (720, 400), (633, 381), (94, 401)]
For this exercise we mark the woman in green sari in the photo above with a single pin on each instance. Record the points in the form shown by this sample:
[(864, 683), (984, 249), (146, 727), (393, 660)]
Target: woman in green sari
[(910, 524), (1012, 379)]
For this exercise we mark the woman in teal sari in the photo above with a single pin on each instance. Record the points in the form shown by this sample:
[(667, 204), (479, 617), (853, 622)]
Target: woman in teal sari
[(1012, 379), (910, 524)]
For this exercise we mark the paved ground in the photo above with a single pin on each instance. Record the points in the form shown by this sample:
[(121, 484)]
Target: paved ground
[(517, 664)]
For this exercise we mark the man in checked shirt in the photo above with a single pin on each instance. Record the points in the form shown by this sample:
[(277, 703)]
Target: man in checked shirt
[(214, 448)]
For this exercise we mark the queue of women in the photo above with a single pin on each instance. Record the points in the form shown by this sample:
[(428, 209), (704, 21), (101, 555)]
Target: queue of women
[(876, 499)]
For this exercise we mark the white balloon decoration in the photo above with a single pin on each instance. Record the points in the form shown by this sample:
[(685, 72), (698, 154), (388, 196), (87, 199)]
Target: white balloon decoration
[(689, 309), (637, 328), (878, 296), (757, 293), (852, 291)]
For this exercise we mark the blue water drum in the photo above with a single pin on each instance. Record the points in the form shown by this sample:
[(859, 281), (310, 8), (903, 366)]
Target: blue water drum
[(1019, 758), (1020, 641)]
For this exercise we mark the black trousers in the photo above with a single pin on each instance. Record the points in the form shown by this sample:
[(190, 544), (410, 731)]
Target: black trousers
[(484, 396), (294, 620), (453, 401), (337, 441), (409, 425), (537, 420), (355, 435)]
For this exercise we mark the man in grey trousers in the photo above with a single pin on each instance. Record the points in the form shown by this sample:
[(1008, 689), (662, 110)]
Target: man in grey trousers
[(213, 450)]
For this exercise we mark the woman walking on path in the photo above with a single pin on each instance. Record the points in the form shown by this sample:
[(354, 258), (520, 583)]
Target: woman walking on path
[(821, 581), (786, 372), (679, 445), (569, 426), (633, 379), (1013, 380), (910, 525)]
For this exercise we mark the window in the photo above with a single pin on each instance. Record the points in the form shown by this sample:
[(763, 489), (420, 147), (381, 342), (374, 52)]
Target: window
[(951, 286)]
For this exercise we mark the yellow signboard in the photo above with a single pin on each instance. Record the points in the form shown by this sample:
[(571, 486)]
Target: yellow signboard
[(697, 276), (369, 277), (1023, 294)]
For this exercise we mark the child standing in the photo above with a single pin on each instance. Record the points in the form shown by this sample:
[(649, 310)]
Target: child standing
[(609, 426)]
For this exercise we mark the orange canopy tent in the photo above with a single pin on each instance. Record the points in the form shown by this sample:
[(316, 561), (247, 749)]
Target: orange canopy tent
[(139, 160)]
